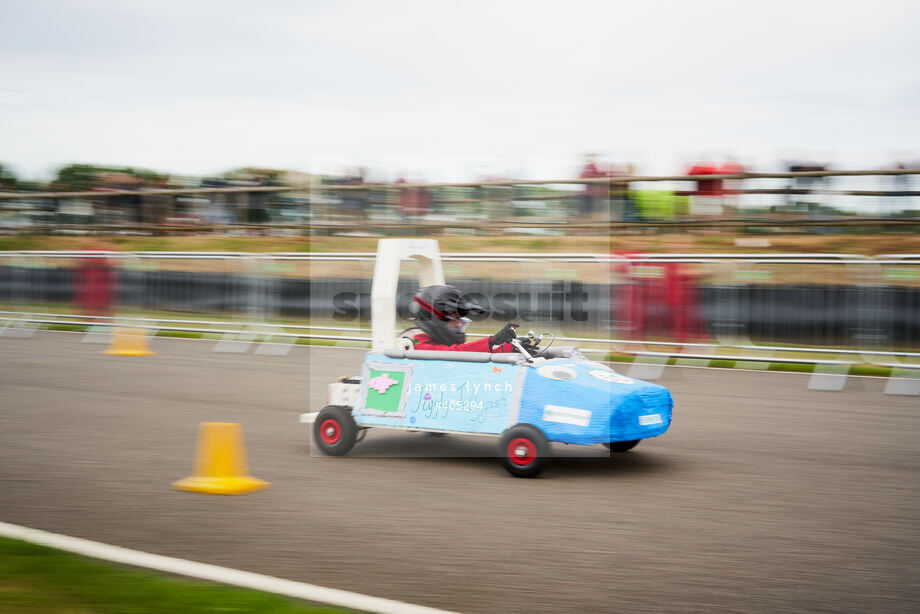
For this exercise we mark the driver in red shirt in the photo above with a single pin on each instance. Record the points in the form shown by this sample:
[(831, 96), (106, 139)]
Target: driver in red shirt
[(440, 323)]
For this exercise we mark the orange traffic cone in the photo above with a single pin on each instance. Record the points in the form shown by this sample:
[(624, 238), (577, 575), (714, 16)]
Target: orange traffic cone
[(220, 464), (129, 342)]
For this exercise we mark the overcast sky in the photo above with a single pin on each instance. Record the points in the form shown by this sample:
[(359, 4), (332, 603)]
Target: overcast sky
[(455, 90)]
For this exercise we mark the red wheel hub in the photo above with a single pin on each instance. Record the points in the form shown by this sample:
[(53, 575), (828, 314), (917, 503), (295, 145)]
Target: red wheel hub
[(330, 431), (522, 451)]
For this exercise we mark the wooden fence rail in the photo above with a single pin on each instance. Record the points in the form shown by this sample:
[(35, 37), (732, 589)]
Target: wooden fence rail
[(306, 189)]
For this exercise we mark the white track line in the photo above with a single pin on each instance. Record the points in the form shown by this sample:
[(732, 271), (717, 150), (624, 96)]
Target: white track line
[(215, 573)]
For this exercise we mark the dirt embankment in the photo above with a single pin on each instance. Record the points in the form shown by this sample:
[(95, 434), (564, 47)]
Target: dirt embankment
[(869, 245)]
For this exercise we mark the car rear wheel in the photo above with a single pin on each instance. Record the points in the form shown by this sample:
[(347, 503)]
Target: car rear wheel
[(622, 446), (524, 451), (334, 430)]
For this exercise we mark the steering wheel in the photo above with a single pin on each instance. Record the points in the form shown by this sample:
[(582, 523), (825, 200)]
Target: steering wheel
[(542, 351)]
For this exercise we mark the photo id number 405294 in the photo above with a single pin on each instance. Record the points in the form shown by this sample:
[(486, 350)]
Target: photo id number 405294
[(459, 405)]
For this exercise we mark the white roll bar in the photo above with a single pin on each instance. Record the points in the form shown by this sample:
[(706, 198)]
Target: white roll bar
[(390, 254)]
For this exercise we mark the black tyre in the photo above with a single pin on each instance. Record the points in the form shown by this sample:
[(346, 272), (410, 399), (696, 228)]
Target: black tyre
[(524, 451), (334, 430), (622, 446)]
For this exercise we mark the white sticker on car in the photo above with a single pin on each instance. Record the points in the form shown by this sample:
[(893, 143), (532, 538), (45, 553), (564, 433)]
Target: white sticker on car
[(611, 376), (566, 415), (650, 419)]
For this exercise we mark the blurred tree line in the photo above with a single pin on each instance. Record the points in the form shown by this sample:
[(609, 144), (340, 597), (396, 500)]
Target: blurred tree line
[(82, 177)]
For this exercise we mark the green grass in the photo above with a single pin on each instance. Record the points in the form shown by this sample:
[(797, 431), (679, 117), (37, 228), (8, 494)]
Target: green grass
[(855, 369), (39, 580), (22, 242), (65, 327), (673, 240), (179, 333), (858, 369)]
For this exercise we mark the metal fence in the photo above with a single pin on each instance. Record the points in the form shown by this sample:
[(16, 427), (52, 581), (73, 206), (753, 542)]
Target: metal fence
[(827, 309)]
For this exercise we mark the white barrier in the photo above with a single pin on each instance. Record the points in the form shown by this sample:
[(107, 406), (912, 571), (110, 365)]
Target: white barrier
[(214, 573)]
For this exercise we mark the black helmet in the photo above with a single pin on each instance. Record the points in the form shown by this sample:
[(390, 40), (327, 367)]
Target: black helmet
[(441, 312)]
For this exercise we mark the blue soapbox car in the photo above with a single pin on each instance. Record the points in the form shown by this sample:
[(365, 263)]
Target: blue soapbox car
[(528, 400)]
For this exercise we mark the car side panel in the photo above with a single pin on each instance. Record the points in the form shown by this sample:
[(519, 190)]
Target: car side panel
[(466, 397), (587, 410)]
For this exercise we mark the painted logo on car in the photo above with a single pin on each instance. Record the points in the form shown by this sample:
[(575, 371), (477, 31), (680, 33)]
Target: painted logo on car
[(381, 383)]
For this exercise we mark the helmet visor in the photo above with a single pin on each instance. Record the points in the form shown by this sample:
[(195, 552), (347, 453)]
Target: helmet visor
[(458, 324)]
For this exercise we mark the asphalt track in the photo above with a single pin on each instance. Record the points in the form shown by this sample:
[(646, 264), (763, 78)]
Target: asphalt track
[(764, 496)]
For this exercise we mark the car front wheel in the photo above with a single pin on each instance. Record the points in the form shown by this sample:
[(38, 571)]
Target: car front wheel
[(334, 430)]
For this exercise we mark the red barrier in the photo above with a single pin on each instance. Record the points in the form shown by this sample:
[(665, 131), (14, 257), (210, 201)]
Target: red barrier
[(657, 299), (94, 287)]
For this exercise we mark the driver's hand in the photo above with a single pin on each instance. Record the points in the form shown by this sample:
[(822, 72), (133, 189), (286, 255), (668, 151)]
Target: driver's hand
[(505, 335), (529, 345)]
